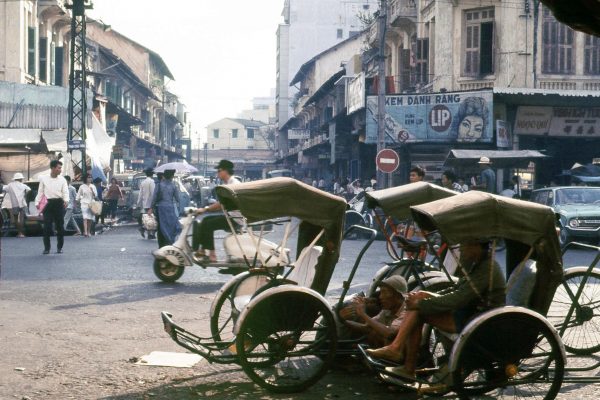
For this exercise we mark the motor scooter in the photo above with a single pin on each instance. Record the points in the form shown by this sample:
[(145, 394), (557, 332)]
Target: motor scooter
[(244, 249)]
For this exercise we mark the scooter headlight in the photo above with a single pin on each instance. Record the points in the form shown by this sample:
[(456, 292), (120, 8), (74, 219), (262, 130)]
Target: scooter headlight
[(574, 223)]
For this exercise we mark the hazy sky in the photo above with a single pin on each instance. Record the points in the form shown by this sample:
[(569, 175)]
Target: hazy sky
[(221, 53)]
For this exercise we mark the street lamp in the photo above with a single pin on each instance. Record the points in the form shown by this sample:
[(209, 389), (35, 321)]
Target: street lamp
[(28, 161)]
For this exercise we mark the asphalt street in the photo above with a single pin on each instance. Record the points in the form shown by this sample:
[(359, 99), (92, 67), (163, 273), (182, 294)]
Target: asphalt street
[(71, 324)]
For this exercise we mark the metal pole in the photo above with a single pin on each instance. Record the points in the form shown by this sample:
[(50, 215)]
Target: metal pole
[(28, 162), (382, 21), (536, 15), (162, 127)]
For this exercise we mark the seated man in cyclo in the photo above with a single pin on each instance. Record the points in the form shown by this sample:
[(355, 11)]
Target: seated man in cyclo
[(381, 328), (204, 230), (449, 310)]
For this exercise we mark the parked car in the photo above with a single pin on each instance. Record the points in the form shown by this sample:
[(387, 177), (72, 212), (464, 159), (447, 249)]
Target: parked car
[(578, 210)]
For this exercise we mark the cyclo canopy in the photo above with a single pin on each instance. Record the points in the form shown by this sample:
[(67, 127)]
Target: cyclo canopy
[(477, 215), (287, 197), (396, 201)]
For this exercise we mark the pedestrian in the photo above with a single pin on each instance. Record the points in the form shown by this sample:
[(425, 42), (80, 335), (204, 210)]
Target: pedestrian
[(463, 185), (86, 194), (203, 231), (488, 176), (55, 190), (144, 201), (165, 200), (508, 190), (71, 208), (449, 182), (16, 203), (100, 198), (416, 174), (112, 197), (516, 186)]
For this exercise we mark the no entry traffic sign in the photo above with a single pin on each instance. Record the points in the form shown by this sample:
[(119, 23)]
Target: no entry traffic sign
[(387, 161)]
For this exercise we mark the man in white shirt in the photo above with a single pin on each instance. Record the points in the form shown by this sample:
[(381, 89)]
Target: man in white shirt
[(15, 202), (56, 191), (144, 201), (203, 231)]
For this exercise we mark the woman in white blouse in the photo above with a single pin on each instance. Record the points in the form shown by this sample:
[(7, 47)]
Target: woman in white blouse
[(85, 195)]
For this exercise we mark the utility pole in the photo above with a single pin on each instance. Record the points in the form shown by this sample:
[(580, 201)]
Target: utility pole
[(77, 108), (162, 127), (382, 21)]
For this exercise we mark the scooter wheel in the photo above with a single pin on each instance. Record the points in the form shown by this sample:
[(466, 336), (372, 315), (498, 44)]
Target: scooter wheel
[(167, 272)]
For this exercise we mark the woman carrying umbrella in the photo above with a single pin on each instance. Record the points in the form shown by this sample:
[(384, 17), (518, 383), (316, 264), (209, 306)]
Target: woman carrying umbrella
[(165, 201)]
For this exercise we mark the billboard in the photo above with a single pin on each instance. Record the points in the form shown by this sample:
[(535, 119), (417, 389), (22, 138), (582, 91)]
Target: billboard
[(435, 117), (355, 96), (578, 122)]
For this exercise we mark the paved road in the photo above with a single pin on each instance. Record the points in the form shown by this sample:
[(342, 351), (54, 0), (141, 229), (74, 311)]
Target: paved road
[(75, 321)]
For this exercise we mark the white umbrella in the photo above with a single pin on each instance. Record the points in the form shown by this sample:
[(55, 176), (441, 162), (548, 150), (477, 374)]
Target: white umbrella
[(180, 167)]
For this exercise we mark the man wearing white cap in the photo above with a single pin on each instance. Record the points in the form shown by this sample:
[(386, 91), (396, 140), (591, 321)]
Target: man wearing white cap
[(15, 202), (488, 176)]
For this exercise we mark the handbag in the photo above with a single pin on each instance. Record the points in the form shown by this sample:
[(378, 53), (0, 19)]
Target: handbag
[(42, 204), (149, 222), (96, 207)]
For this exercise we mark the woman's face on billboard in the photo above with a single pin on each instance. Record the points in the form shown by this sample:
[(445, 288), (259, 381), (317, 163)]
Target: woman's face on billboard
[(470, 128)]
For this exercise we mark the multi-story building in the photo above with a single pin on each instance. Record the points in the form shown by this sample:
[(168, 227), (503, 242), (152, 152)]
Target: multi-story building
[(309, 27), (530, 81), (263, 109)]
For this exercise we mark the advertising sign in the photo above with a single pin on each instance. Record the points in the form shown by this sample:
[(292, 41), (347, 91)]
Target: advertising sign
[(355, 97), (558, 121), (503, 136), (298, 133), (435, 117)]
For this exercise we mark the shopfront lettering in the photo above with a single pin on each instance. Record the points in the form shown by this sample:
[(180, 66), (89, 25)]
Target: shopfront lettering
[(447, 98)]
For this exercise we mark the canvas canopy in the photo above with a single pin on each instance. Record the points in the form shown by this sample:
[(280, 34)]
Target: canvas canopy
[(478, 215), (287, 197), (396, 201), (499, 158)]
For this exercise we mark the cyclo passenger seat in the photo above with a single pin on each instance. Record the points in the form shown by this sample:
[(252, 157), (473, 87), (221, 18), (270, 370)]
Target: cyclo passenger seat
[(412, 245)]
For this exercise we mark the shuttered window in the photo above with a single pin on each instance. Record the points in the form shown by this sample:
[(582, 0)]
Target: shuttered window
[(31, 51), (422, 61), (592, 55), (58, 65), (44, 59), (478, 42), (558, 41)]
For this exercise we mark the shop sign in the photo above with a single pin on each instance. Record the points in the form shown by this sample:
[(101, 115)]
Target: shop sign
[(503, 136), (558, 121), (118, 151), (140, 152), (298, 133), (452, 117), (355, 96)]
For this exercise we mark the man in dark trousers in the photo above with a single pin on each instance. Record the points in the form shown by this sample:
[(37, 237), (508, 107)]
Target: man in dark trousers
[(203, 231), (56, 191)]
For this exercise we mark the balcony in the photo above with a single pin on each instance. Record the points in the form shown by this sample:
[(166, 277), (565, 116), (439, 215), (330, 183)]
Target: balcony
[(402, 13)]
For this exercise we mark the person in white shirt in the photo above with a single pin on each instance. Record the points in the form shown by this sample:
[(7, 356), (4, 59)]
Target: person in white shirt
[(204, 231), (69, 219), (15, 203), (86, 193), (55, 190), (144, 201)]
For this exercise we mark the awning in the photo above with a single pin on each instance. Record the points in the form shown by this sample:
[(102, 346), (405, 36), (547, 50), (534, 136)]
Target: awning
[(499, 158), (20, 138)]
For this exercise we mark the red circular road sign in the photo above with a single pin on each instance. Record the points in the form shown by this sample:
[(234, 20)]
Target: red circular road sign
[(387, 160)]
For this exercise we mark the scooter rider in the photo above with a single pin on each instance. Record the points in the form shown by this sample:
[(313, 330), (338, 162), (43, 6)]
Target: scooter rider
[(204, 230)]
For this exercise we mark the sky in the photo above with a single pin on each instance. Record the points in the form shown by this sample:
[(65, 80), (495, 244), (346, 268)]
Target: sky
[(221, 53)]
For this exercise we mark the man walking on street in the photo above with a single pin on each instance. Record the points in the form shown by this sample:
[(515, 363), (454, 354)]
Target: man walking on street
[(488, 176), (56, 191), (71, 207), (15, 202), (144, 201)]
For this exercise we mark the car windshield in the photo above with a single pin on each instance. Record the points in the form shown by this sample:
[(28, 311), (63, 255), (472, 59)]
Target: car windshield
[(578, 196)]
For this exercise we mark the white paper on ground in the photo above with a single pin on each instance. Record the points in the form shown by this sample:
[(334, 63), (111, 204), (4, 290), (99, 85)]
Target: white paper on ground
[(168, 359)]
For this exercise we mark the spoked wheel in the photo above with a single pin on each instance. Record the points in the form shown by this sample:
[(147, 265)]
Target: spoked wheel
[(581, 331), (287, 339), (511, 355), (167, 272), (231, 300)]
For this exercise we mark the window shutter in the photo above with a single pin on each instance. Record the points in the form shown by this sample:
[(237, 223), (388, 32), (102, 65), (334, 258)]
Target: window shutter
[(486, 51), (58, 69), (31, 51), (44, 59)]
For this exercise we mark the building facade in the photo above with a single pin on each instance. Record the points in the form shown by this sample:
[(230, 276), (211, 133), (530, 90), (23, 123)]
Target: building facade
[(309, 27)]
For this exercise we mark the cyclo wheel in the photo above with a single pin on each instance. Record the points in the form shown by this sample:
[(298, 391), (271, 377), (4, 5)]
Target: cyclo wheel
[(287, 339), (508, 353), (167, 272), (581, 332), (231, 299)]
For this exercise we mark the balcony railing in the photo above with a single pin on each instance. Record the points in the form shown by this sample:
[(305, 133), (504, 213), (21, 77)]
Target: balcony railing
[(402, 12)]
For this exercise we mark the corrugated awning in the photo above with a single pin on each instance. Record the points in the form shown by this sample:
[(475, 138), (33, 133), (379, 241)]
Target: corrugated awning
[(499, 158)]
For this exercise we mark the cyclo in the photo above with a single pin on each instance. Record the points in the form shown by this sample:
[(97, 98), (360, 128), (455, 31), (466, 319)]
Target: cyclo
[(509, 351), (279, 328)]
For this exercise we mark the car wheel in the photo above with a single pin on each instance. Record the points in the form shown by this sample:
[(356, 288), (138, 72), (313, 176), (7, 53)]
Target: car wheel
[(564, 237)]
